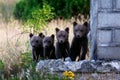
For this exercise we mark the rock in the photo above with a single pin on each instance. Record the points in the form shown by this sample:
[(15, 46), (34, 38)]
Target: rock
[(49, 64), (81, 66), (94, 76), (68, 59), (82, 78), (109, 66), (117, 78), (62, 68), (73, 66), (57, 65), (87, 66), (113, 65)]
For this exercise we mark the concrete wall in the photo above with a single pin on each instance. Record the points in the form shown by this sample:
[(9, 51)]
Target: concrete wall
[(105, 29)]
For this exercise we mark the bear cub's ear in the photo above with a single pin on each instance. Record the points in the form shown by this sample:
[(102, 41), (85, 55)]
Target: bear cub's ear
[(56, 29), (75, 23), (85, 24), (41, 35), (30, 35), (67, 29), (52, 36)]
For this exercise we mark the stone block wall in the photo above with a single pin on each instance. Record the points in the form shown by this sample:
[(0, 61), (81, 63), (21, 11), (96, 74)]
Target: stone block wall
[(105, 29)]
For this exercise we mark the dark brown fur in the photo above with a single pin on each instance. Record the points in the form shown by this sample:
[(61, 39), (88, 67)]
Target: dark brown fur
[(48, 47), (79, 42), (37, 46), (62, 44)]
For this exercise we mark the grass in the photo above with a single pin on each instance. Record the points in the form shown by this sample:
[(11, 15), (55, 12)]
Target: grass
[(15, 51), (15, 55), (26, 71)]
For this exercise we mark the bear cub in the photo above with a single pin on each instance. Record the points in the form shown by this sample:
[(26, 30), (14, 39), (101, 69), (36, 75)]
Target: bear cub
[(62, 44), (48, 47), (80, 41), (37, 46)]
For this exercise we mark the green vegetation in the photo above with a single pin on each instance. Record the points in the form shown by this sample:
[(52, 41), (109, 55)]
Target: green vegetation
[(1, 69), (26, 71), (62, 8), (33, 13), (37, 13), (6, 10), (39, 17)]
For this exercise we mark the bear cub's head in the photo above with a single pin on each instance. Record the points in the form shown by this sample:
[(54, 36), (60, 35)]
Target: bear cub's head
[(80, 30), (62, 35), (48, 41), (36, 41)]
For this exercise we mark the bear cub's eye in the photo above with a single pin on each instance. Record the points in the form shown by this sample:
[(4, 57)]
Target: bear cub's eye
[(44, 41), (36, 41), (49, 41), (59, 35), (76, 30), (81, 30), (63, 35)]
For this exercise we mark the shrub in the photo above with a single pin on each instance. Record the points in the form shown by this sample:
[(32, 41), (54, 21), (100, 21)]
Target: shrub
[(33, 14), (28, 71), (74, 7), (1, 69), (39, 17), (19, 10), (62, 8)]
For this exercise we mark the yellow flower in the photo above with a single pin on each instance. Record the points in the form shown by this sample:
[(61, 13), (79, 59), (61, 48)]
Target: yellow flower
[(69, 74), (71, 78)]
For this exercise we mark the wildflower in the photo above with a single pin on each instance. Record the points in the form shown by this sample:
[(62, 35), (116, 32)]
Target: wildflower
[(69, 74)]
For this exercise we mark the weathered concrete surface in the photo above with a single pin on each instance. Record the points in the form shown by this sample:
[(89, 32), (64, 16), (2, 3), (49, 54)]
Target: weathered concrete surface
[(93, 28), (117, 39), (106, 38), (117, 4), (81, 66), (108, 19), (107, 4), (105, 29), (108, 53)]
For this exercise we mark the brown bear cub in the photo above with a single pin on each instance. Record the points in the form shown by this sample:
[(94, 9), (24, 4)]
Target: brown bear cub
[(80, 41), (62, 44), (48, 47), (37, 46)]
